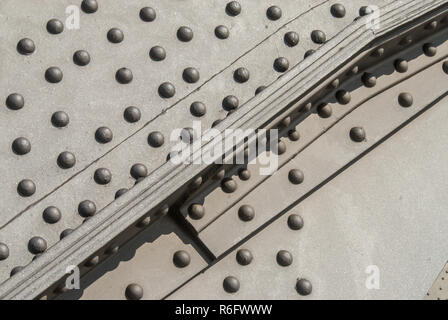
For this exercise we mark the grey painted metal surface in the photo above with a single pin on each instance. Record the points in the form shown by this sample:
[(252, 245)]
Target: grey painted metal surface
[(146, 260), (216, 202), (102, 95), (339, 152), (380, 214), (130, 145)]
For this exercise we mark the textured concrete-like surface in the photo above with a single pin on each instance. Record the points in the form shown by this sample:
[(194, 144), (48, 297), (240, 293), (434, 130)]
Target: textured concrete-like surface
[(382, 213)]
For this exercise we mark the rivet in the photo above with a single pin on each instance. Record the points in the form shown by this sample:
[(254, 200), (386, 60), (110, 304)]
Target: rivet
[(181, 259), (246, 213), (244, 257), (296, 176), (405, 99), (304, 287), (196, 211), (295, 222), (134, 292), (231, 284), (284, 258), (357, 134)]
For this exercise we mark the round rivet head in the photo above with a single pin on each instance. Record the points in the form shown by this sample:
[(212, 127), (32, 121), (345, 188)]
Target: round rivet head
[(144, 222), (445, 67), (15, 101), (244, 174), (281, 147), (365, 10), (4, 251), (296, 176), (167, 90), (37, 245), (343, 96), (429, 49), (378, 52), (16, 270), (401, 65), (369, 80), (432, 25), (244, 257), (66, 160), (260, 89), (134, 292), (304, 287), (293, 135), (55, 26), (103, 135), (26, 188), (196, 211), (291, 38), (324, 110), (139, 170), (113, 249), (284, 258), (124, 75), (334, 84), (281, 64), (115, 35), (318, 36), (241, 75), (246, 213), (51, 215), (89, 6), (93, 261), (338, 10), (405, 99), (155, 139), (120, 192), (81, 58), (184, 34), (274, 13), (157, 53), (222, 32), (21, 146), (132, 114), (86, 208), (148, 14), (102, 176), (195, 183), (198, 109), (407, 40), (309, 53), (231, 284), (230, 103), (60, 119), (233, 8), (295, 222), (228, 185), (53, 75), (357, 134), (181, 259), (26, 46), (65, 233), (190, 75)]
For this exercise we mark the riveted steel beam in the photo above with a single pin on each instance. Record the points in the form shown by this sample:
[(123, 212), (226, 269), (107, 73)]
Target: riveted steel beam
[(167, 181)]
